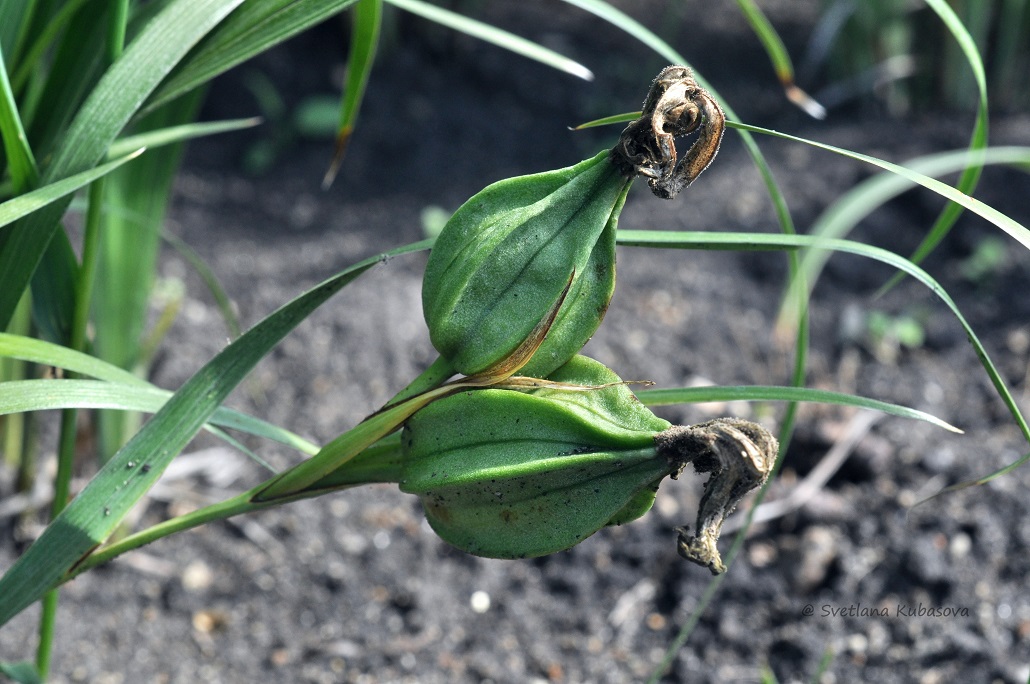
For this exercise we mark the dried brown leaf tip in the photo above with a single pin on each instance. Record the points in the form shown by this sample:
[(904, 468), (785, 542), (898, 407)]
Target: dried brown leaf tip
[(676, 105)]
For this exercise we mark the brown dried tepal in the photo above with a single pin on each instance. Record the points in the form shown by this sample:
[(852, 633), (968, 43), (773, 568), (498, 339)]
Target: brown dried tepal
[(676, 105)]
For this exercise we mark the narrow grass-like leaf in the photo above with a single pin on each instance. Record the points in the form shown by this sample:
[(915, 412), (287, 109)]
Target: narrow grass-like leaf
[(176, 134), (863, 199), (23, 205), (1013, 228), (23, 672), (759, 241), (607, 121), (43, 395), (494, 35), (57, 356), (253, 28), (96, 512), (368, 19), (116, 98), (1019, 463), (29, 61), (779, 57), (379, 463), (57, 86), (665, 397), (13, 17), (135, 203)]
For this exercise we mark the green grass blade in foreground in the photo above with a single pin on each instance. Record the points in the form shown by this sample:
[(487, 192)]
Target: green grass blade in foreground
[(379, 463), (777, 53), (494, 35), (665, 397), (115, 99), (23, 672), (863, 199), (136, 199), (95, 513), (760, 241), (253, 28), (1013, 228), (607, 121), (43, 395), (23, 205), (176, 134), (367, 21), (57, 356)]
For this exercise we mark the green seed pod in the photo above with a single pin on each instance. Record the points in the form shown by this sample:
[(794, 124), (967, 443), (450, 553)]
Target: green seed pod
[(507, 473), (512, 474), (506, 256)]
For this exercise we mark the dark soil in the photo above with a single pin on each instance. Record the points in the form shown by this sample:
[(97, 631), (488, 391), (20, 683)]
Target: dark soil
[(354, 587)]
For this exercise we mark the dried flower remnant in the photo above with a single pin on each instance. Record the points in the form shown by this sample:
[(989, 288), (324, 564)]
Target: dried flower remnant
[(676, 105), (739, 454)]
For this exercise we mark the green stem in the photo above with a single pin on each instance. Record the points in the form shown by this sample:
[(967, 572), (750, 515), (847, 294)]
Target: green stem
[(437, 374), (16, 454), (69, 417), (116, 29), (379, 463), (62, 485)]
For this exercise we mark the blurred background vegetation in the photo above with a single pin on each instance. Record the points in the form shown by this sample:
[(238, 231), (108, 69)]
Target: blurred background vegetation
[(900, 50)]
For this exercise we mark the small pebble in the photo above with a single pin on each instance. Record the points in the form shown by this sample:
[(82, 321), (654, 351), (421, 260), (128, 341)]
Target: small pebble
[(480, 601)]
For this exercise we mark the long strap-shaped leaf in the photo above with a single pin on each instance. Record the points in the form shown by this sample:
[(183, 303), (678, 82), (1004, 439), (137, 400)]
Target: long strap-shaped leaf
[(116, 98), (95, 513), (762, 241), (1015, 230), (257, 26), (17, 396), (681, 395), (366, 27), (23, 205)]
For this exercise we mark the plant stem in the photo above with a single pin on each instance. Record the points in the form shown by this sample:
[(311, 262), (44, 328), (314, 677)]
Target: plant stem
[(69, 417), (116, 29), (438, 372), (379, 463)]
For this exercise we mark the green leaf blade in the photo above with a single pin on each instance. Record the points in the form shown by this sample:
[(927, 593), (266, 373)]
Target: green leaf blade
[(115, 99), (665, 397), (91, 517), (368, 19), (253, 28), (496, 36), (24, 205)]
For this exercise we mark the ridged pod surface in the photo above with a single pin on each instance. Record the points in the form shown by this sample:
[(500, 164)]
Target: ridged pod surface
[(512, 474), (506, 256)]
